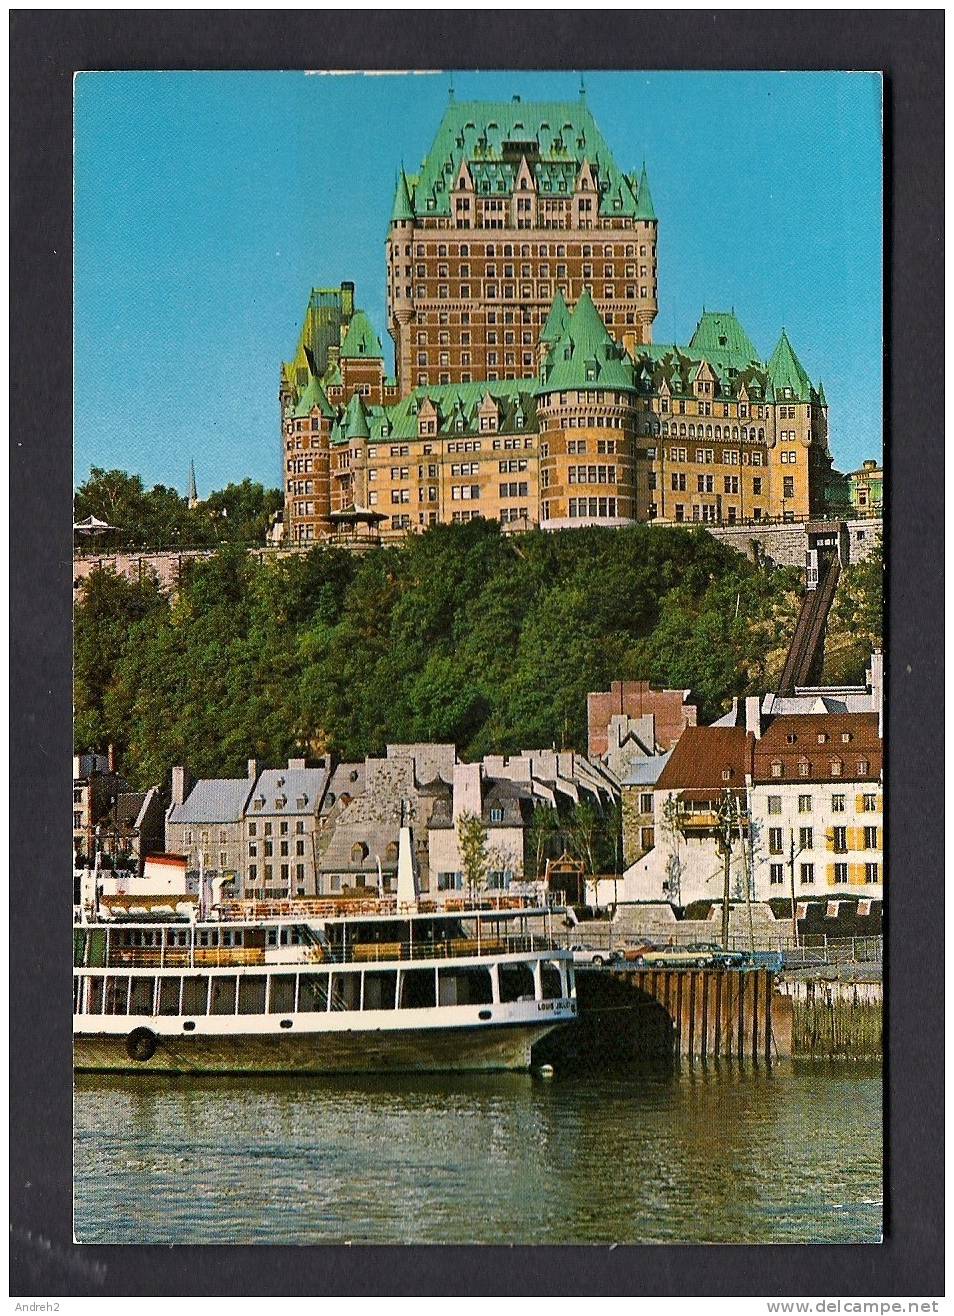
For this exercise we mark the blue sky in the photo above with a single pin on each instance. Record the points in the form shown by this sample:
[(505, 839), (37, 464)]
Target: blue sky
[(209, 204)]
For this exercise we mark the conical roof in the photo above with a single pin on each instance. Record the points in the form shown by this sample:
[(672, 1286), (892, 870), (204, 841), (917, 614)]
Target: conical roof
[(355, 422), (644, 198), (403, 206), (586, 356), (361, 341), (557, 320), (787, 372), (312, 397)]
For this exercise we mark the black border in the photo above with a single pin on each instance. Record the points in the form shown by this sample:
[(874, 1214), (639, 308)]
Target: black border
[(46, 48)]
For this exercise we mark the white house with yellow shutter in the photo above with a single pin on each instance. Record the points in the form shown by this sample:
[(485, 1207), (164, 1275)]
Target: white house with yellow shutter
[(816, 806)]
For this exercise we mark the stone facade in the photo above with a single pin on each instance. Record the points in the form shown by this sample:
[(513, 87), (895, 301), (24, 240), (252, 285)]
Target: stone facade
[(666, 714), (509, 407)]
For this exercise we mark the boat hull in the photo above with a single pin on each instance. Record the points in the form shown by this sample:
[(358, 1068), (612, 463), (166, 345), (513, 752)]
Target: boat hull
[(411, 1050)]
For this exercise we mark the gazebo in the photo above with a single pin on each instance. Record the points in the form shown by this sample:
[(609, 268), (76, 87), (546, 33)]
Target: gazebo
[(350, 518)]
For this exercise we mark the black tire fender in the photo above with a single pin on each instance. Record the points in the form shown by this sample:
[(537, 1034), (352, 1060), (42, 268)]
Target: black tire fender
[(141, 1044)]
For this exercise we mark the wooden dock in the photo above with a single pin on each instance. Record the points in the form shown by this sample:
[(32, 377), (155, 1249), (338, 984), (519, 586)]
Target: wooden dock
[(701, 1014)]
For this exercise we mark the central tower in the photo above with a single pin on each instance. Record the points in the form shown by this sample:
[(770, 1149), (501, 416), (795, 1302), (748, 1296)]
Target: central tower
[(513, 203)]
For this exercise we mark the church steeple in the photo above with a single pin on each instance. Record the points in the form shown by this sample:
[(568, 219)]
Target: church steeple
[(193, 494)]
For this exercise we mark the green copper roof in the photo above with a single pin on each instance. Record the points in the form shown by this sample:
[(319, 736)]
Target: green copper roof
[(557, 320), (719, 336), (457, 408), (355, 423), (555, 137), (822, 400), (644, 198), (361, 340), (327, 310), (787, 372), (403, 206), (313, 396), (587, 356)]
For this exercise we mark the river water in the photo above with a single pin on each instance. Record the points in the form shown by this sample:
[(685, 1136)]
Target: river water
[(697, 1154)]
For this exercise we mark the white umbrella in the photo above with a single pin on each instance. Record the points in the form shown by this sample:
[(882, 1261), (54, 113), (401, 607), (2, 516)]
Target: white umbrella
[(92, 526)]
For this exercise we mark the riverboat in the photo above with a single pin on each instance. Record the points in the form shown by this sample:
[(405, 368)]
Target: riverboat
[(316, 987)]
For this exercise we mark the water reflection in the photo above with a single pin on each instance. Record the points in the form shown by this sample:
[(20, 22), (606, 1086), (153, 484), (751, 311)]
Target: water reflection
[(715, 1153)]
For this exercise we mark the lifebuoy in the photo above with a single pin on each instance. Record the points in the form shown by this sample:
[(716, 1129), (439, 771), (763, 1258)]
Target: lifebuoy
[(141, 1044)]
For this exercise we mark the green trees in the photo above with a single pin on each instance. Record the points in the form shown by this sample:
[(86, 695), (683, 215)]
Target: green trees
[(161, 518), (460, 634), (472, 842), (856, 624)]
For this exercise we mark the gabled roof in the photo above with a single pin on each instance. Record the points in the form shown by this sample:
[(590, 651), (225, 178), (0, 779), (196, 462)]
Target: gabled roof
[(786, 371), (361, 340), (301, 789), (493, 136), (792, 741), (586, 356), (702, 754), (214, 800), (312, 397)]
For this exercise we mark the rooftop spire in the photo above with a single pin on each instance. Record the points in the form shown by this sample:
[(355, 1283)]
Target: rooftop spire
[(403, 208), (644, 198), (193, 495)]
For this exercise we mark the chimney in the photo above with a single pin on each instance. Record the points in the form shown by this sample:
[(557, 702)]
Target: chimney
[(252, 769), (111, 757), (296, 764), (180, 784), (753, 715)]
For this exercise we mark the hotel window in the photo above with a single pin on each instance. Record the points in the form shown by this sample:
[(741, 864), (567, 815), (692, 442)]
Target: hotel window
[(646, 802), (839, 840), (869, 803), (252, 872), (871, 838), (841, 874), (871, 874), (838, 804), (806, 838), (788, 486), (804, 804), (807, 874), (223, 859), (775, 840), (776, 874)]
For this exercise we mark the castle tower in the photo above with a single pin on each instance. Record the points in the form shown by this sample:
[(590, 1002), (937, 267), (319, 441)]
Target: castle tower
[(514, 202), (587, 420), (307, 469)]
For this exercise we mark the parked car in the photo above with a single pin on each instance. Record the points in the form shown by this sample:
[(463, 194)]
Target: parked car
[(587, 955), (677, 957), (632, 954)]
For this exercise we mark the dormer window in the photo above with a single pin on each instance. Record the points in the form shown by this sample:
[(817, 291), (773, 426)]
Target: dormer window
[(836, 767), (726, 774), (281, 801), (777, 767), (822, 738), (258, 802), (791, 738), (863, 767), (804, 768), (301, 802), (845, 737)]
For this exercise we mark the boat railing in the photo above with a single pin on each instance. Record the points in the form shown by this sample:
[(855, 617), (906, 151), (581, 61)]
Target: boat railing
[(361, 952), (379, 906)]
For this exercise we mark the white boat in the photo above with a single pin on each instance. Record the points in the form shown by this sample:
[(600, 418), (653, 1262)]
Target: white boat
[(315, 987)]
